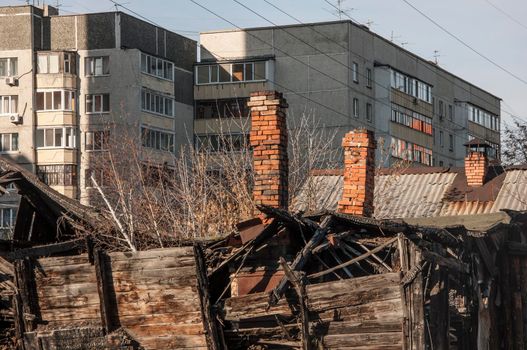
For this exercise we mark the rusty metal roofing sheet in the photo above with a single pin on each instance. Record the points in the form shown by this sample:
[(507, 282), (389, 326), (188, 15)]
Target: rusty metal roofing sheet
[(513, 193), (415, 195)]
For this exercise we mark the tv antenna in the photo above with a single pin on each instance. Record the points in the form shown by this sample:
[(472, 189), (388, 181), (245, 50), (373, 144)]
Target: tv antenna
[(393, 37), (436, 56)]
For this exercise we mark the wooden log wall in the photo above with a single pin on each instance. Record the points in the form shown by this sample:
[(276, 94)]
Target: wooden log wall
[(78, 300), (359, 313), (157, 297)]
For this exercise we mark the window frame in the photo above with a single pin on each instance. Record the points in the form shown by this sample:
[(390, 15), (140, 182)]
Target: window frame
[(64, 174), (65, 143), (215, 68), (12, 137), (151, 138), (90, 63), (9, 66), (93, 98), (159, 102), (149, 59), (355, 108), (369, 77), (10, 99), (355, 72), (63, 93)]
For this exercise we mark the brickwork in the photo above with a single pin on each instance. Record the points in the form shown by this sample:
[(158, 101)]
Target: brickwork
[(476, 165), (269, 142), (359, 173)]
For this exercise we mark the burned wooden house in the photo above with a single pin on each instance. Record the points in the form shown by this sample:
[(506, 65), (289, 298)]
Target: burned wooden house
[(372, 260)]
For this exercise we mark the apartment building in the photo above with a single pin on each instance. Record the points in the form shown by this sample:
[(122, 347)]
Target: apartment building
[(65, 79), (346, 77)]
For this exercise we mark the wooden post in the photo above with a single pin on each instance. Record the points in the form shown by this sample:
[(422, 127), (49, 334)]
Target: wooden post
[(109, 318), (207, 314), (25, 283), (297, 279)]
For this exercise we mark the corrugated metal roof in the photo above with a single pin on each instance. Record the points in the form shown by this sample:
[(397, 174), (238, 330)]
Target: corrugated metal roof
[(416, 195), (421, 195), (513, 193)]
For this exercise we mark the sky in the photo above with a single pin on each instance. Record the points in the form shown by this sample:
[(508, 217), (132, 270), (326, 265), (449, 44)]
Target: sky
[(499, 33)]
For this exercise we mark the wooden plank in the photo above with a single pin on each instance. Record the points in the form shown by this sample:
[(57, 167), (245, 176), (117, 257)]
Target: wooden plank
[(153, 253), (46, 263), (490, 264), (25, 283), (376, 311), (449, 263), (153, 263), (505, 288), (209, 323), (127, 283), (517, 310), (174, 342), (109, 320), (159, 307), (353, 261), (47, 250), (373, 340), (301, 258), (298, 283), (166, 329), (138, 275)]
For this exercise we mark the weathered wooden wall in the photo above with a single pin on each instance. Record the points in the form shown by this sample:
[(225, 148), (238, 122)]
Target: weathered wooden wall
[(359, 313), (157, 297), (75, 302)]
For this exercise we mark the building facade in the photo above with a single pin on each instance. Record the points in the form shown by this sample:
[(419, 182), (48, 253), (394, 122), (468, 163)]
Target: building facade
[(346, 77), (65, 79)]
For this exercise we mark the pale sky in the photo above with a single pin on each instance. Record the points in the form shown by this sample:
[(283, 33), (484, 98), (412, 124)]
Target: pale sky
[(489, 31)]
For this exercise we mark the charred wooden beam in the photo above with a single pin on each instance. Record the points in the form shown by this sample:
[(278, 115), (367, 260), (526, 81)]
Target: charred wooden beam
[(25, 284), (450, 263), (207, 315), (297, 280), (301, 259), (48, 250), (353, 261), (106, 292), (487, 257), (516, 248)]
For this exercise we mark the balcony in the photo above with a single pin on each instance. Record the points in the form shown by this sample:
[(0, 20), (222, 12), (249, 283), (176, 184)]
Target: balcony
[(56, 118), (56, 155), (56, 81)]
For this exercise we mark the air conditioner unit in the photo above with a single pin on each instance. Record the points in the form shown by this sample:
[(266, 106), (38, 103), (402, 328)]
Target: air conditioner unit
[(11, 81), (15, 119)]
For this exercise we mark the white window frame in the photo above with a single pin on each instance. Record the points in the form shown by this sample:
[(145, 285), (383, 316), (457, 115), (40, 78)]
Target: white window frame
[(104, 143), (355, 72), (93, 97), (369, 77), (63, 93), (157, 133), (10, 104), (356, 107), (72, 137), (164, 63), (13, 146), (90, 66), (231, 80), (149, 96), (9, 66), (12, 218)]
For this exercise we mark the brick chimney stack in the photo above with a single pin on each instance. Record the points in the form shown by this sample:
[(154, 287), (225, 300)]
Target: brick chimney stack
[(359, 173), (476, 165), (269, 141)]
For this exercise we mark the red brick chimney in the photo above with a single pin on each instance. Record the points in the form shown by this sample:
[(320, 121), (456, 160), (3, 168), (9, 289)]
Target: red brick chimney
[(359, 173), (269, 141), (476, 165)]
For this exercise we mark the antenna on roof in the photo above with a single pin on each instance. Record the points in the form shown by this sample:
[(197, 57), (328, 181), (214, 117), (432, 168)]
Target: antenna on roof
[(370, 23), (341, 10), (404, 43), (393, 37), (436, 56)]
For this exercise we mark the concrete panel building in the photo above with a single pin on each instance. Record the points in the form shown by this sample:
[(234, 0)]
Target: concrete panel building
[(65, 79), (346, 77)]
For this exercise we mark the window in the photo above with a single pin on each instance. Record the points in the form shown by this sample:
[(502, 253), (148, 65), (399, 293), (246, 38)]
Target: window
[(7, 217), (8, 104), (9, 142), (369, 77), (411, 86), (97, 140), (450, 112), (230, 72), (451, 142), (53, 100), (221, 143), (411, 152), (8, 67), (98, 103), (96, 66), (159, 140), (355, 72), (228, 108), (156, 103), (411, 119), (58, 175), (441, 138), (157, 67), (50, 63), (441, 115), (369, 112), (356, 107), (57, 138), (484, 118)]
